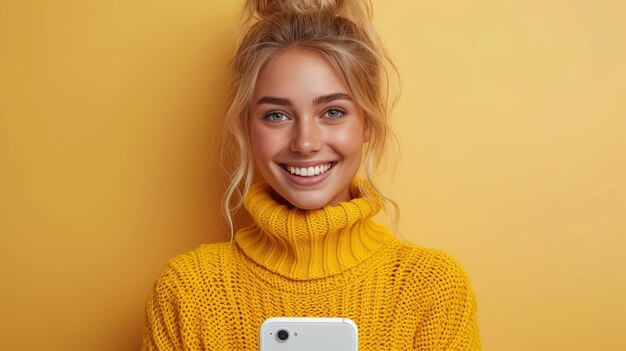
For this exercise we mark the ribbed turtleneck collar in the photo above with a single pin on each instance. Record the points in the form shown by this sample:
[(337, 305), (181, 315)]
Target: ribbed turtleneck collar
[(310, 244)]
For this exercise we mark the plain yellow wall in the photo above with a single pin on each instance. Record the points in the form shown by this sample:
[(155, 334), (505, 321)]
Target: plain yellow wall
[(512, 124)]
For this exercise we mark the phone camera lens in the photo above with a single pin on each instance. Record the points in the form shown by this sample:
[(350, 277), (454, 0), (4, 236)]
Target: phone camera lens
[(282, 335)]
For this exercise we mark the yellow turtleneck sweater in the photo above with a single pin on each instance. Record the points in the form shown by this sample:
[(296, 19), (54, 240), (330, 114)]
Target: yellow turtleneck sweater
[(331, 262)]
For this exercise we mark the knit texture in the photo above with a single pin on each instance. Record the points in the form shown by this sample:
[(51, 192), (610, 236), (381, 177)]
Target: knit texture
[(331, 262)]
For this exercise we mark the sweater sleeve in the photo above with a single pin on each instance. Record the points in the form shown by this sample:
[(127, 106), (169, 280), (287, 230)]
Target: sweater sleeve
[(450, 321), (162, 330)]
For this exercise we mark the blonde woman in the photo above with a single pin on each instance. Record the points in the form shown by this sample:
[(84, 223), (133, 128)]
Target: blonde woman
[(309, 110)]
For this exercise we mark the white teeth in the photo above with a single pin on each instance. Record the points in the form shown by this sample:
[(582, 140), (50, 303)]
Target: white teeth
[(308, 171)]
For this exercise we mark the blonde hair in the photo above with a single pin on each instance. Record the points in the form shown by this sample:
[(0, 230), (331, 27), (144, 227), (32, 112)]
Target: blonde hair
[(340, 31)]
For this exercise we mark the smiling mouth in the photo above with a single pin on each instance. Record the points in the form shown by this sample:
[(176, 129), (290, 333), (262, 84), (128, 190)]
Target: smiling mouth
[(308, 171)]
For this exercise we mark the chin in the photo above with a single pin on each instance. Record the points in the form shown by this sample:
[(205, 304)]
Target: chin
[(314, 197), (306, 204), (309, 205)]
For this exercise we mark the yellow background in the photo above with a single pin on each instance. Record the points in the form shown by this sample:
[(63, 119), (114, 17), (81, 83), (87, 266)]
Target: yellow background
[(512, 124)]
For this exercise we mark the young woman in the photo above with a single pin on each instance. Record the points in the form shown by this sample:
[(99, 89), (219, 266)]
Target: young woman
[(309, 109)]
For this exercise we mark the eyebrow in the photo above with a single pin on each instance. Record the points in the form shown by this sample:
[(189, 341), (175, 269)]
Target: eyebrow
[(272, 100), (324, 99), (331, 97)]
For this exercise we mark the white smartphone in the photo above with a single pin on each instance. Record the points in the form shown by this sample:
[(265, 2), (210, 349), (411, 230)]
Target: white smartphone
[(309, 334)]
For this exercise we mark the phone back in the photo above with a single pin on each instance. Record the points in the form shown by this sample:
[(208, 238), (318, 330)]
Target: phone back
[(308, 334)]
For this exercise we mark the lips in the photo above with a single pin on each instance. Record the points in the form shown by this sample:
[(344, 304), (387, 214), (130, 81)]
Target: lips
[(309, 171)]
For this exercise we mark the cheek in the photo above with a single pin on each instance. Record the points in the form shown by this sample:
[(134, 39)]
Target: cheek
[(349, 141), (263, 143), (256, 144)]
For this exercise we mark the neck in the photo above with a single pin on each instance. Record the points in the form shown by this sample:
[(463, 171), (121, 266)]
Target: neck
[(310, 244)]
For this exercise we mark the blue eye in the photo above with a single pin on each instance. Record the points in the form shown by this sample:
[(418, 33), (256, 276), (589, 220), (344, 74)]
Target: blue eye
[(275, 116), (334, 113)]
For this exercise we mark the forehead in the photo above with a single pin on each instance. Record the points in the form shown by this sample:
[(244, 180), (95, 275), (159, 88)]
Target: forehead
[(299, 73)]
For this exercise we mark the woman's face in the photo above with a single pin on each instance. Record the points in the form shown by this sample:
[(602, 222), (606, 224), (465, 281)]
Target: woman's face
[(307, 132)]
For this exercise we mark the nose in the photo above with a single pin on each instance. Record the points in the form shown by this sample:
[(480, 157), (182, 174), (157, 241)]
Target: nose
[(307, 137)]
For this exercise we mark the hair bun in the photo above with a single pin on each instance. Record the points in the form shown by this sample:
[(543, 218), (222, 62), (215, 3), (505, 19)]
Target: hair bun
[(358, 12), (266, 8)]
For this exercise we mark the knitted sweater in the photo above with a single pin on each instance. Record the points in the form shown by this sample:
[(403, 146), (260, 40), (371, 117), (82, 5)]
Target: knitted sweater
[(331, 262)]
